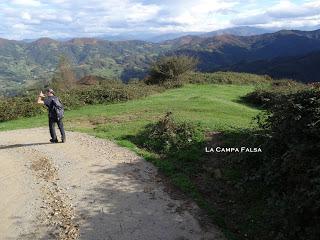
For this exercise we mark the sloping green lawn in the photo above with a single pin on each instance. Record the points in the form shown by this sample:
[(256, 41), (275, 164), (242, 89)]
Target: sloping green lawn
[(215, 107)]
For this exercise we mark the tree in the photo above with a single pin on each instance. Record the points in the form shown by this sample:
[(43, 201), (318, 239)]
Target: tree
[(63, 77), (170, 69)]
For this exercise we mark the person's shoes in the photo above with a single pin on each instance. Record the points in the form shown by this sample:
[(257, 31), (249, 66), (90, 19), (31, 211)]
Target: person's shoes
[(54, 140), (63, 140)]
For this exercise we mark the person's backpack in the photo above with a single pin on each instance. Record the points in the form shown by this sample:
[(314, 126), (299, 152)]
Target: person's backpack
[(57, 108)]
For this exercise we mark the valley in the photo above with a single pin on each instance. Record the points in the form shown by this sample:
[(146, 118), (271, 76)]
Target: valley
[(23, 64)]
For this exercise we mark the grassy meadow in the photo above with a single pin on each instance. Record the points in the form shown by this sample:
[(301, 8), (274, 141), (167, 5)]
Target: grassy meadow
[(214, 107)]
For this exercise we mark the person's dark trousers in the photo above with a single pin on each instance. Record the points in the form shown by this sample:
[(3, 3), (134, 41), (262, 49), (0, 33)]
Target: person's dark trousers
[(52, 129)]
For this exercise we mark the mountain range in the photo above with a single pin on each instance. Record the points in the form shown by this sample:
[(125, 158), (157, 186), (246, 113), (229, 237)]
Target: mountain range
[(303, 67), (158, 38), (283, 54), (226, 51)]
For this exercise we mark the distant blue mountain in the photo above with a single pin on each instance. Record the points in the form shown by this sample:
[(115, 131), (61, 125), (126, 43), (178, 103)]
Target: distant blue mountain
[(239, 31), (157, 38)]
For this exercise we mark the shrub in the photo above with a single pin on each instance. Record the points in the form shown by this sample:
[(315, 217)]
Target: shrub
[(167, 135), (262, 98), (290, 166), (267, 96), (168, 70), (111, 93), (16, 107), (180, 143), (226, 78)]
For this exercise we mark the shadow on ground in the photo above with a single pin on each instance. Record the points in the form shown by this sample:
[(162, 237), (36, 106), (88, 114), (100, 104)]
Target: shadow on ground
[(22, 145), (132, 204)]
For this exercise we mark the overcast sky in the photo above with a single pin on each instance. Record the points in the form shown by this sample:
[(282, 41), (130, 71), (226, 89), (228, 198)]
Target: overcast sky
[(23, 19)]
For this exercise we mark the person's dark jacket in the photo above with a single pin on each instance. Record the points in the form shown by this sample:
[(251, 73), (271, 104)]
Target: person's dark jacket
[(55, 107)]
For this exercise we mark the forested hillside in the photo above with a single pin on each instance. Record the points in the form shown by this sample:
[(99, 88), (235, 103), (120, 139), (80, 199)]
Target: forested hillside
[(222, 52), (25, 63), (303, 67)]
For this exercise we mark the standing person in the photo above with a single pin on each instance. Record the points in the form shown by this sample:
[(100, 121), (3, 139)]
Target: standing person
[(56, 111)]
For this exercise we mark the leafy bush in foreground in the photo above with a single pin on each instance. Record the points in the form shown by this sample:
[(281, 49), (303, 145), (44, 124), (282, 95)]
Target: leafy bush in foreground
[(177, 142), (290, 166), (167, 135)]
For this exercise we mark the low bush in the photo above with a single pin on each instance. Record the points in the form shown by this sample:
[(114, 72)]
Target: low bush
[(267, 96), (167, 135), (226, 78), (178, 142), (169, 71), (289, 166), (262, 98), (16, 107)]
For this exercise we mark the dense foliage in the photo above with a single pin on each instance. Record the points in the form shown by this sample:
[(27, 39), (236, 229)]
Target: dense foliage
[(287, 171), (291, 166)]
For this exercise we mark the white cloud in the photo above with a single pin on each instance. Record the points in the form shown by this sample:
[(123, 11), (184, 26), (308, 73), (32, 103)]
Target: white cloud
[(139, 12), (20, 26), (284, 14), (287, 9), (33, 3), (72, 18), (201, 15), (26, 16)]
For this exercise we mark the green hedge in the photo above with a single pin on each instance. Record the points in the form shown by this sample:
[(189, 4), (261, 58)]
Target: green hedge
[(17, 107), (267, 96), (226, 78)]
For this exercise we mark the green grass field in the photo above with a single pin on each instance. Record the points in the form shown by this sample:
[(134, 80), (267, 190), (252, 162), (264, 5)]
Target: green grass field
[(215, 107)]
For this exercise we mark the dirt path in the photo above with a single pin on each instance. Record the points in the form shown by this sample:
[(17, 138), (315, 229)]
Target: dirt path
[(89, 189)]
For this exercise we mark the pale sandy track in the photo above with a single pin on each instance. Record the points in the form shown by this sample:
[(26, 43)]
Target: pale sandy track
[(87, 189)]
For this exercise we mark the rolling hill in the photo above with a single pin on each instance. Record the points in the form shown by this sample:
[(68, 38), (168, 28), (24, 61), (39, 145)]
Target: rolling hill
[(23, 63), (158, 38), (221, 52), (238, 31), (304, 68)]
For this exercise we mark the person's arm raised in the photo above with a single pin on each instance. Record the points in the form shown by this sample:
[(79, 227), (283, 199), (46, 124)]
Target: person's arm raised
[(40, 98)]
